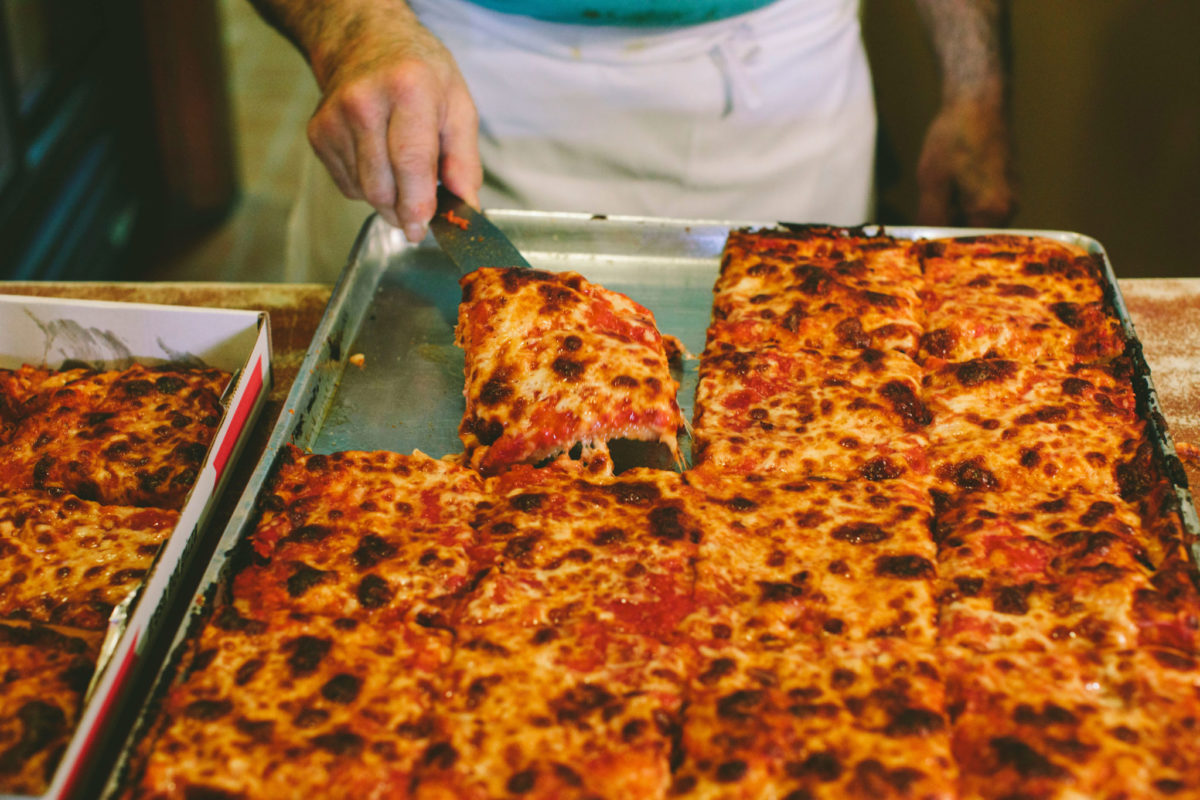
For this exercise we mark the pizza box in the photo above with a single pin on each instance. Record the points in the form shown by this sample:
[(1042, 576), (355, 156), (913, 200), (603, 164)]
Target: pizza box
[(50, 332), (383, 372)]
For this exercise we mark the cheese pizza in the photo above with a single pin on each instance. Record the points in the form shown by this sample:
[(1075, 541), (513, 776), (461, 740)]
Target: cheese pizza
[(925, 549), (846, 415), (352, 534), (821, 288), (619, 551), (1003, 425), (293, 705), (45, 673), (554, 362), (1049, 571), (1075, 723), (68, 561), (94, 467), (1016, 297), (786, 559), (135, 437), (830, 720), (572, 710)]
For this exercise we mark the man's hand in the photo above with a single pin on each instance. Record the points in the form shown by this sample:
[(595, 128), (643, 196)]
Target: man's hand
[(395, 114), (964, 175)]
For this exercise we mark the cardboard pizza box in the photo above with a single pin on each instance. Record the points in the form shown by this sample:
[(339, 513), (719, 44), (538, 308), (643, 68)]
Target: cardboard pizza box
[(50, 332)]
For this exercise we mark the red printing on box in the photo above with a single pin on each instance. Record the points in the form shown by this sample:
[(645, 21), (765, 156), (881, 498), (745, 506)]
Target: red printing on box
[(249, 397), (123, 670)]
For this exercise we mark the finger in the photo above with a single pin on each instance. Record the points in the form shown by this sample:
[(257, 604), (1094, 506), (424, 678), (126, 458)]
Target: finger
[(992, 205), (460, 169), (413, 149), (374, 168), (334, 147), (992, 213), (934, 198)]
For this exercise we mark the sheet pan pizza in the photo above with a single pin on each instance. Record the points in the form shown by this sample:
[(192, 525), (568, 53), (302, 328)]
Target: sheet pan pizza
[(924, 549), (94, 467)]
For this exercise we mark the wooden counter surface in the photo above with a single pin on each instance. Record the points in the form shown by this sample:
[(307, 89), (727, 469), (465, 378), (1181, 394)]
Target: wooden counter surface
[(1166, 315)]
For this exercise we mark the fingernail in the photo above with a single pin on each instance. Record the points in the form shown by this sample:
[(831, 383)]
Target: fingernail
[(414, 232)]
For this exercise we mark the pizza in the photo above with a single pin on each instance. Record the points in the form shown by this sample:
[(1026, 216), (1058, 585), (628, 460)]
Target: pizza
[(998, 424), (586, 712), (1053, 571), (94, 467), (23, 384), (17, 386), (553, 363), (136, 436), (835, 719), (68, 561), (371, 534), (846, 415), (292, 704), (1016, 297), (819, 288), (782, 560), (925, 548), (544, 698), (560, 546), (1074, 722), (45, 673)]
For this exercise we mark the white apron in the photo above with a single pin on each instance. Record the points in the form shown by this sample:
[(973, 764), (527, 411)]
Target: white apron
[(768, 115)]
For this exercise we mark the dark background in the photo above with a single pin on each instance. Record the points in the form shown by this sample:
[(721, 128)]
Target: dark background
[(1106, 121)]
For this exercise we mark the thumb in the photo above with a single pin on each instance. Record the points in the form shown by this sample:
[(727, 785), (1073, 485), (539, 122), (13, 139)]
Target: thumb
[(934, 191)]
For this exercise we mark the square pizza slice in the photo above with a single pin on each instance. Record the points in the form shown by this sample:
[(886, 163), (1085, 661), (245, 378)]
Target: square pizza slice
[(1003, 425), (554, 362), (565, 546), (822, 288), (1028, 299), (1004, 263), (1050, 571), (25, 384), (575, 710), (787, 559), (832, 720), (293, 705), (366, 534), (848, 415), (136, 436), (1074, 723), (772, 258), (45, 675), (68, 561), (1054, 524)]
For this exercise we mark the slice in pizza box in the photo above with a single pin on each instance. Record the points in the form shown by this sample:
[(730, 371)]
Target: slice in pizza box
[(52, 333)]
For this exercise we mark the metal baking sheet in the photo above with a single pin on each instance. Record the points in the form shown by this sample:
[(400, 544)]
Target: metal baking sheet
[(383, 371)]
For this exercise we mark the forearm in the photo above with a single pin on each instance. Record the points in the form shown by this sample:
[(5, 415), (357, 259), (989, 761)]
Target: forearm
[(969, 39), (395, 113), (964, 173), (321, 29)]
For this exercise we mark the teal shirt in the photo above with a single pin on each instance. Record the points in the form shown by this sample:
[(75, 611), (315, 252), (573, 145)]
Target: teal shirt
[(636, 13)]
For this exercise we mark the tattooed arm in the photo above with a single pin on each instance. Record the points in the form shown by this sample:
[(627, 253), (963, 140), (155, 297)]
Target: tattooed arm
[(964, 174)]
